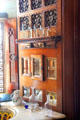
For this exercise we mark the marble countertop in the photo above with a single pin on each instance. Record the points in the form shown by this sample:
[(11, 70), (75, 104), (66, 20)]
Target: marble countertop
[(20, 113)]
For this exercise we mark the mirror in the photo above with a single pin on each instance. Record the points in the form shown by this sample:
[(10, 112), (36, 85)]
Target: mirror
[(37, 67), (26, 92), (39, 95), (25, 66), (52, 68), (52, 98)]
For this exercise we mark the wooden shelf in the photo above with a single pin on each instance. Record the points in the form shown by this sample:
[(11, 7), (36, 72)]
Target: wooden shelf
[(54, 39)]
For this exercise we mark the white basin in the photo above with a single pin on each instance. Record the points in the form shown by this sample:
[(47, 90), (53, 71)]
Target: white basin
[(6, 113)]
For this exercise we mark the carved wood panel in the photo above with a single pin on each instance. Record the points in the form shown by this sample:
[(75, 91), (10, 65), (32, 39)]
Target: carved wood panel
[(49, 2), (23, 5), (36, 4), (50, 18), (13, 63), (24, 23), (36, 20), (42, 15)]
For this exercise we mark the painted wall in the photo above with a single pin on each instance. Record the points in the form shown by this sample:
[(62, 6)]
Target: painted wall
[(9, 6)]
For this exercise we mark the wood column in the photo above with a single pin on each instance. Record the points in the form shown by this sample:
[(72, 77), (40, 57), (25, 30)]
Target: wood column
[(70, 58)]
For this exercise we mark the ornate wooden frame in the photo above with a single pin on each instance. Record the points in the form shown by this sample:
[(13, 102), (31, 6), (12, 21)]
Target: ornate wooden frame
[(25, 69), (48, 31), (52, 98), (52, 67), (38, 59)]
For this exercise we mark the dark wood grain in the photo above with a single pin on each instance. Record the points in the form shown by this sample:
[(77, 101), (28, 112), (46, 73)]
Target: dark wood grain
[(78, 63), (70, 57)]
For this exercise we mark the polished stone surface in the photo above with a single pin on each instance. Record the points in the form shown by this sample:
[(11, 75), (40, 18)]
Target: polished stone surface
[(21, 113)]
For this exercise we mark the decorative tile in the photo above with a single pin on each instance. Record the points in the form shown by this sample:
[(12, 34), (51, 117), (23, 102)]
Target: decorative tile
[(36, 20), (49, 2), (23, 6), (50, 18), (24, 23)]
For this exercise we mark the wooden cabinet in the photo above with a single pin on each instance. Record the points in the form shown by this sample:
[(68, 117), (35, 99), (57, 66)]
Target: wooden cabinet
[(67, 52), (47, 84), (39, 18), (39, 30)]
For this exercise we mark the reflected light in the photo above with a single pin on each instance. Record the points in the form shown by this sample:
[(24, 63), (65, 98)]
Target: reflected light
[(2, 5)]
